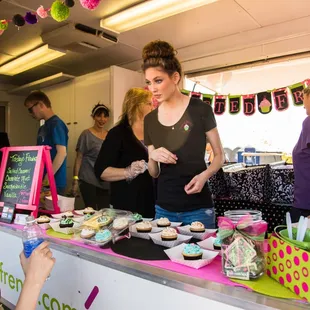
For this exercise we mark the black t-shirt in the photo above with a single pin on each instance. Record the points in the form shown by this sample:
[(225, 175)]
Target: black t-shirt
[(186, 139), (119, 150)]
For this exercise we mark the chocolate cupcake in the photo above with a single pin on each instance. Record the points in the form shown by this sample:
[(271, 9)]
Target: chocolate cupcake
[(169, 234), (66, 222), (163, 222)]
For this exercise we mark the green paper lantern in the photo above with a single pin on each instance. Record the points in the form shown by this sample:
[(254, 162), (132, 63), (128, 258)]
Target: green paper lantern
[(59, 11), (4, 24)]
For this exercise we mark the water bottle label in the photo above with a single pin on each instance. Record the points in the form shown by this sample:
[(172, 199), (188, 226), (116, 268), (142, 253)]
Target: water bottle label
[(30, 245)]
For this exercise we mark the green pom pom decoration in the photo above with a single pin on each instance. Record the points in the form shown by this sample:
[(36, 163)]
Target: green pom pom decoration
[(59, 11), (4, 24)]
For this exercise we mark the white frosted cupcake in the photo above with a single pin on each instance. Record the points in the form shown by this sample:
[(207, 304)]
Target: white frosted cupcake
[(169, 234), (197, 227), (163, 222), (43, 219), (144, 227)]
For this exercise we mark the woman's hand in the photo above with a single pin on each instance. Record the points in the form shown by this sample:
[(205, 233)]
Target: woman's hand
[(162, 155), (196, 184), (38, 266)]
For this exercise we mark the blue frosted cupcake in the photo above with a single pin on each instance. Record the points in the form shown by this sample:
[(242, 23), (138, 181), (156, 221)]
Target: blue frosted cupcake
[(192, 252), (103, 236)]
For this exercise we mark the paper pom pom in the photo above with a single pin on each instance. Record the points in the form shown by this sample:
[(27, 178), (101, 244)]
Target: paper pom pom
[(59, 11), (1, 32), (4, 24), (31, 18), (18, 20), (69, 3), (90, 4), (42, 12)]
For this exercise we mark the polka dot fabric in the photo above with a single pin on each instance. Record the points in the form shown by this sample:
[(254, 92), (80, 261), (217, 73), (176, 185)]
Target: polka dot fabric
[(289, 266)]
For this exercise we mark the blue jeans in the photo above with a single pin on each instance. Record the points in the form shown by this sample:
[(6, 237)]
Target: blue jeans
[(206, 216)]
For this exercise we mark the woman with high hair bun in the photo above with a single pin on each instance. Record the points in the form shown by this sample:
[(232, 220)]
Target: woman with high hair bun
[(176, 134), (123, 157), (87, 150)]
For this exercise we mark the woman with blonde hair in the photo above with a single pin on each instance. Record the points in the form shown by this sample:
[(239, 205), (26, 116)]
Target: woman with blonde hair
[(123, 157)]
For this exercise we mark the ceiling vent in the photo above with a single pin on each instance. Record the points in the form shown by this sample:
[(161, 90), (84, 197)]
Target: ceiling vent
[(79, 38)]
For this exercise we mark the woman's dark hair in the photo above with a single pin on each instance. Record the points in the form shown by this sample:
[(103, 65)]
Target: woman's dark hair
[(99, 109), (161, 54)]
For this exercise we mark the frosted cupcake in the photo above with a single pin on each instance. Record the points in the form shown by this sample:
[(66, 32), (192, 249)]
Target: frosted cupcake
[(169, 234), (192, 252), (197, 227), (163, 222), (144, 227), (265, 105), (43, 219), (89, 210)]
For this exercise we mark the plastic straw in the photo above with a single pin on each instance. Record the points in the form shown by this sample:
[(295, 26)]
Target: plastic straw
[(300, 225), (303, 229), (289, 225)]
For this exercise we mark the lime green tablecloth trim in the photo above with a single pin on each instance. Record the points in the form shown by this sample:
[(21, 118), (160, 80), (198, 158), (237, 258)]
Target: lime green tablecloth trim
[(268, 286)]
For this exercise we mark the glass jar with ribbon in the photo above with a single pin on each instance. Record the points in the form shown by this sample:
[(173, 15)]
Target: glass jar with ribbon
[(241, 234)]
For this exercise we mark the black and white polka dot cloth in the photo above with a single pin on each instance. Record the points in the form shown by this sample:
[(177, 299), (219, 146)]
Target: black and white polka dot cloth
[(273, 214)]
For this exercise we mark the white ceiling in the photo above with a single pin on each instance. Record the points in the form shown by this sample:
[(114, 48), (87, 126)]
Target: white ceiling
[(215, 20)]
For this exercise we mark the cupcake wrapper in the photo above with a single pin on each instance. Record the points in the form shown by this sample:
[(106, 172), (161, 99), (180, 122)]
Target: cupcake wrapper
[(175, 255), (185, 230), (169, 244)]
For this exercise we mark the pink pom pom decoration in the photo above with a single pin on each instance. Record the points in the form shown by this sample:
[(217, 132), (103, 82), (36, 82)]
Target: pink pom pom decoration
[(90, 4), (42, 12)]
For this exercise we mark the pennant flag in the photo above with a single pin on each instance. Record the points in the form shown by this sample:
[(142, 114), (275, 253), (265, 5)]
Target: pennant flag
[(196, 95), (280, 99), (185, 92), (207, 99), (297, 93), (264, 102), (219, 105), (248, 105), (234, 104)]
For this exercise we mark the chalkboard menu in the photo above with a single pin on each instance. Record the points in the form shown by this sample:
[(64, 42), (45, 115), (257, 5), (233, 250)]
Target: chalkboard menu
[(18, 177)]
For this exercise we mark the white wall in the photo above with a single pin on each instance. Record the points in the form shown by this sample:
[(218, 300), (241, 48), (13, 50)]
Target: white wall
[(74, 100), (22, 128)]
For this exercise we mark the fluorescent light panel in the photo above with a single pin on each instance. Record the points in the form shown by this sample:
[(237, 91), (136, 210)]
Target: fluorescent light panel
[(148, 12), (30, 60)]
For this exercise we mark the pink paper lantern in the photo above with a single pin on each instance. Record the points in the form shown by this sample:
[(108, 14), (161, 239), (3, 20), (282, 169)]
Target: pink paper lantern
[(90, 4)]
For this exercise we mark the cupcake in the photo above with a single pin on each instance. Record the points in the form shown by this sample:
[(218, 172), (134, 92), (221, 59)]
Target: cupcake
[(144, 227), (197, 227), (103, 236), (217, 244), (89, 210), (43, 219), (104, 220), (120, 223), (169, 234), (66, 222), (192, 252), (137, 217), (163, 222), (87, 233)]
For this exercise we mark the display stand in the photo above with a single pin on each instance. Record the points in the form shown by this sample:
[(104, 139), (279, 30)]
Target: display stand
[(21, 175)]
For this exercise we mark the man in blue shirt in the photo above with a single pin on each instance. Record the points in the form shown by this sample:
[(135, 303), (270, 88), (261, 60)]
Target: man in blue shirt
[(54, 133)]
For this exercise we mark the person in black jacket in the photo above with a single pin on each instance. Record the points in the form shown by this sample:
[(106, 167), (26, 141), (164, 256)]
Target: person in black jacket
[(123, 157)]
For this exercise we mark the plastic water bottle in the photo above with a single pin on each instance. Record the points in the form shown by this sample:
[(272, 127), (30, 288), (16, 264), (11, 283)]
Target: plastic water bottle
[(32, 236)]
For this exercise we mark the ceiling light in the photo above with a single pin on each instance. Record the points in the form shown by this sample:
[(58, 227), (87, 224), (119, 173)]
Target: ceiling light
[(148, 12), (30, 60)]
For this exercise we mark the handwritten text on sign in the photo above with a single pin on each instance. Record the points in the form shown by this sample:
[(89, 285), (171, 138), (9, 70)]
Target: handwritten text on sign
[(18, 176)]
